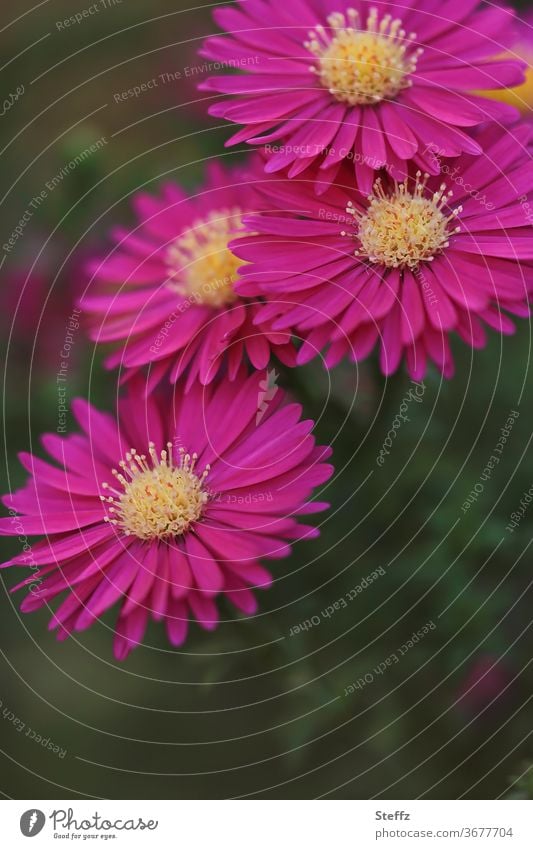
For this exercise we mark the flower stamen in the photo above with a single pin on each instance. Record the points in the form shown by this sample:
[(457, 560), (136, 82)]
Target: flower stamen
[(158, 498), (200, 263), (362, 66), (405, 227)]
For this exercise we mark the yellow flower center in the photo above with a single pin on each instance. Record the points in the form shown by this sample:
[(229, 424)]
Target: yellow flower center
[(406, 227), (361, 66), (201, 265), (520, 96), (158, 498)]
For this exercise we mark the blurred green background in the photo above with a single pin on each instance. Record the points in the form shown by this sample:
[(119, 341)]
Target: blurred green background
[(253, 710)]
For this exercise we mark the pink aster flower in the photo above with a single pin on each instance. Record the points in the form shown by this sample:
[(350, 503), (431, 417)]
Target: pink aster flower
[(167, 509), (522, 96), (166, 292), (373, 82), (402, 268), (487, 679)]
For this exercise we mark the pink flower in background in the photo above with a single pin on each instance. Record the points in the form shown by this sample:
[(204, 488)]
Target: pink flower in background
[(520, 96), (36, 303), (402, 268), (23, 296), (167, 509), (374, 82), (486, 680), (166, 294)]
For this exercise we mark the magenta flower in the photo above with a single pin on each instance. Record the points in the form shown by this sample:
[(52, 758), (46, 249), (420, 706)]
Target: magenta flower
[(373, 82), (210, 484), (404, 267), (486, 680), (166, 292), (522, 96)]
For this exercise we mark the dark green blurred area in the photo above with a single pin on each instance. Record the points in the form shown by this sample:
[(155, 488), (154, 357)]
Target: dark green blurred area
[(252, 709)]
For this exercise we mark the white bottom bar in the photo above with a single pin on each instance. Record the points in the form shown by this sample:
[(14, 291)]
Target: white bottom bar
[(267, 824)]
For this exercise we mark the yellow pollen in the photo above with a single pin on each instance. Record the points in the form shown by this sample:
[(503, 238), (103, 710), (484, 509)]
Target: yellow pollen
[(158, 498), (520, 96), (363, 65), (200, 263), (406, 227)]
